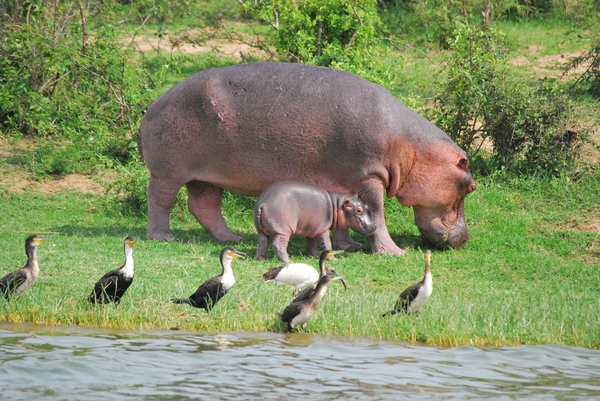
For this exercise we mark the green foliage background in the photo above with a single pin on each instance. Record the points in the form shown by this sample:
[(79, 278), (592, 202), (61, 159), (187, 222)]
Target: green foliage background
[(73, 78)]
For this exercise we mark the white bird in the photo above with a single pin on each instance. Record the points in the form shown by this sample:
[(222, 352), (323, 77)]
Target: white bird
[(298, 275)]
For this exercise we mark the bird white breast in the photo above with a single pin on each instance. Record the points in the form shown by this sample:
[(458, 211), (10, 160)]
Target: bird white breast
[(302, 317), (228, 281), (129, 267), (423, 296), (298, 275)]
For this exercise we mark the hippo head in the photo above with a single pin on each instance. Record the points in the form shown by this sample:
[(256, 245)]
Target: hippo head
[(356, 215), (436, 185)]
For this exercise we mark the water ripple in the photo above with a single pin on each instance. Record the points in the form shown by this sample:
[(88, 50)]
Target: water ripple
[(182, 366)]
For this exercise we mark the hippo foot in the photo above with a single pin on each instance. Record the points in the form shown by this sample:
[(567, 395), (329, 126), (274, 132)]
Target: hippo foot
[(260, 257), (388, 250), (168, 237), (348, 245), (227, 238)]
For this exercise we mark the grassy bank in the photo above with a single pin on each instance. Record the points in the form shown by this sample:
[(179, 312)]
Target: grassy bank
[(528, 275)]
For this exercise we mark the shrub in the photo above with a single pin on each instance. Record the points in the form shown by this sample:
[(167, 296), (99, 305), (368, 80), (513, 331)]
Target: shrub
[(59, 80), (482, 106), (335, 33), (590, 78)]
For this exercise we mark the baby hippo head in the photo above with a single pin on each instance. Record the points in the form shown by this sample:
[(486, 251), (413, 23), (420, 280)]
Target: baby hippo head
[(354, 214)]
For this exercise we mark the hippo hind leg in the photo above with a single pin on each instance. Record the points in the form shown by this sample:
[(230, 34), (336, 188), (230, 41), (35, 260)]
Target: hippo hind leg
[(161, 194), (262, 247), (280, 243), (204, 202)]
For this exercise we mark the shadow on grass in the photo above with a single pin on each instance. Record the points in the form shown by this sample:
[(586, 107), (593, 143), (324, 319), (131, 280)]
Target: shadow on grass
[(296, 246)]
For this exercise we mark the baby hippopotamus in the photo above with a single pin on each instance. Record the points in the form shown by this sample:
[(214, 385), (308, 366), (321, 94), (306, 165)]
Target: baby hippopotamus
[(292, 208)]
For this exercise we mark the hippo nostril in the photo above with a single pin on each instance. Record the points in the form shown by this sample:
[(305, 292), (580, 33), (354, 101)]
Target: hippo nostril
[(471, 187)]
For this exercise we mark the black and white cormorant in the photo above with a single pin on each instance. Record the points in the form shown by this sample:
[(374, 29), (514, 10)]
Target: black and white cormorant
[(414, 297), (324, 270), (299, 312), (112, 286), (17, 281), (213, 289)]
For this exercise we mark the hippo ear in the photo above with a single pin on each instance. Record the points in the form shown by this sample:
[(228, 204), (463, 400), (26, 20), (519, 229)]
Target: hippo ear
[(463, 164)]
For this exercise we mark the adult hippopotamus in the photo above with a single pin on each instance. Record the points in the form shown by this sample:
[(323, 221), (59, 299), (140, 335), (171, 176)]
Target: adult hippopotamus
[(245, 127), (291, 208)]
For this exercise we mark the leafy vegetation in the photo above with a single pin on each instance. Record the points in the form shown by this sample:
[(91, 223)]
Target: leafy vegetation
[(73, 77), (529, 128), (62, 81)]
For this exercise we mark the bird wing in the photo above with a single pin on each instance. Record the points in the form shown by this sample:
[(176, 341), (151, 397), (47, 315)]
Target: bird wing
[(12, 280), (291, 311), (112, 273), (209, 292), (298, 273), (305, 294), (407, 296), (106, 285)]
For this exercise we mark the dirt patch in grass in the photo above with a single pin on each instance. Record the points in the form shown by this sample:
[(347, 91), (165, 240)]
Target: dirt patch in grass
[(547, 66), (591, 224), (191, 42), (73, 182)]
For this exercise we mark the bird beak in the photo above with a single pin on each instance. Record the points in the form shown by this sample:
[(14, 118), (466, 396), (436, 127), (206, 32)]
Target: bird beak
[(331, 254), (342, 280), (131, 242), (39, 240), (238, 254)]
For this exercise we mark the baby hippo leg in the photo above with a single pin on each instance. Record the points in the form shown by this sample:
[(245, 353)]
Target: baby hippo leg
[(263, 247), (280, 243), (321, 241)]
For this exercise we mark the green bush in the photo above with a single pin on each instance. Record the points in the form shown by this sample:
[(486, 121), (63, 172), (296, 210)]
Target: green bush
[(590, 78), (62, 81), (499, 121), (336, 33)]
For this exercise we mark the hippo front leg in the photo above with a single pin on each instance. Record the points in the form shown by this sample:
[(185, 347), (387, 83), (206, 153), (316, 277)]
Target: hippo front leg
[(321, 241), (204, 202), (342, 240), (380, 241), (161, 195)]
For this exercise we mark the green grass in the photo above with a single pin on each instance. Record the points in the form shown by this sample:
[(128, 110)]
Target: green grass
[(529, 274)]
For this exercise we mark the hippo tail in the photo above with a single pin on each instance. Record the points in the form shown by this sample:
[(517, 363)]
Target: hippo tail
[(139, 143), (258, 217)]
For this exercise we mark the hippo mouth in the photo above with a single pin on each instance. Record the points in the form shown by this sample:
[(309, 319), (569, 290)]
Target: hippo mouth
[(367, 232), (438, 232)]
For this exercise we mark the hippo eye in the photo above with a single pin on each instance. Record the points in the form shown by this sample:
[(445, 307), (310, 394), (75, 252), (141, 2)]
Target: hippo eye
[(359, 211)]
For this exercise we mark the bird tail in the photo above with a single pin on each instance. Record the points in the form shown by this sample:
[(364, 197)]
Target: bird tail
[(181, 301), (392, 312)]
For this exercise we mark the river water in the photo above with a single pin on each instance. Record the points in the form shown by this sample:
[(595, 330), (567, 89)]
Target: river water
[(78, 364)]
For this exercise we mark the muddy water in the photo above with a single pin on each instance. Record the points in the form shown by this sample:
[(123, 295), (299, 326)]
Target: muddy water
[(74, 364)]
